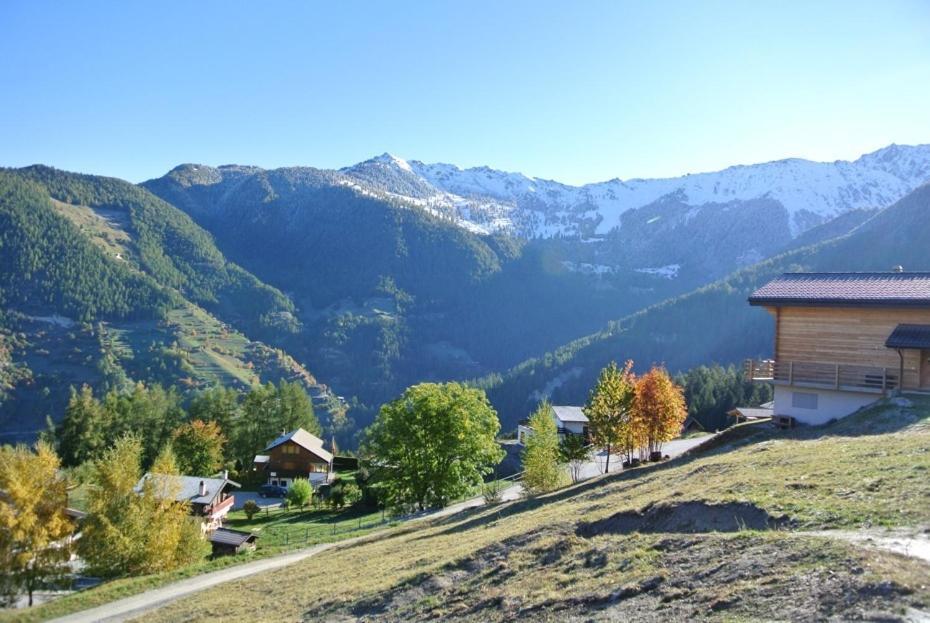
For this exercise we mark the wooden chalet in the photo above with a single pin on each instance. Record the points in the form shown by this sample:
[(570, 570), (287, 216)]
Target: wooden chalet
[(297, 454), (843, 340)]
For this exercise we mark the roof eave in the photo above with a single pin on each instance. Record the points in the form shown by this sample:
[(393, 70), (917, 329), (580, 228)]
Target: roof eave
[(802, 302)]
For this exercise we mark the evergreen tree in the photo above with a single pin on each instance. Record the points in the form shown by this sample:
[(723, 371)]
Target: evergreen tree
[(84, 428)]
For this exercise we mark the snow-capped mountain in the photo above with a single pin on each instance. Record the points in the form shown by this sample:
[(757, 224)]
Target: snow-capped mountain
[(487, 200)]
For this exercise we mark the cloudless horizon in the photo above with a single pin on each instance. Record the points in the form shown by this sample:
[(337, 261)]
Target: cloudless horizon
[(579, 92)]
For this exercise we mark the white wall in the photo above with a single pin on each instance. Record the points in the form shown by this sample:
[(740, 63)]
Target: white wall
[(831, 405), (574, 427)]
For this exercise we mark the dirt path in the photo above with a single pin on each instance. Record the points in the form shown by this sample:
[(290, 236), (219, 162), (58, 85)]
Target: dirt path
[(910, 544), (136, 605)]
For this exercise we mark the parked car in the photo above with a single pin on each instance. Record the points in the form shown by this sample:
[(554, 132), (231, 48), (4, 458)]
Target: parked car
[(272, 491)]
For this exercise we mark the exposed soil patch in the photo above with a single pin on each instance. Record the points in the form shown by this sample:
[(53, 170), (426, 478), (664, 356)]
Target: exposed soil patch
[(686, 517), (690, 578)]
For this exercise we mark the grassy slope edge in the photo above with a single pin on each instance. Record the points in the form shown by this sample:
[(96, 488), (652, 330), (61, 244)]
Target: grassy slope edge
[(723, 533)]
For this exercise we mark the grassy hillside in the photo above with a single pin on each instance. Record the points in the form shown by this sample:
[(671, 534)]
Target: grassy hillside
[(727, 533), (713, 323)]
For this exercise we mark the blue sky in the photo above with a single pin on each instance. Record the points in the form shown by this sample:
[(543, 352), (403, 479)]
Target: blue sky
[(574, 91)]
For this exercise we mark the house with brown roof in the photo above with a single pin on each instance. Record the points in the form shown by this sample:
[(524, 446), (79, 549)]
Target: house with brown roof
[(844, 340), (297, 454)]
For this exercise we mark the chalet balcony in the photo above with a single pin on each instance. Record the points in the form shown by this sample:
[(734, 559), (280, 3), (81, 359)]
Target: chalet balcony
[(221, 508), (823, 375)]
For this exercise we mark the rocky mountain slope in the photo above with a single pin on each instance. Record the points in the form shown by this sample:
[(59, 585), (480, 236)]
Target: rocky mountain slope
[(809, 193)]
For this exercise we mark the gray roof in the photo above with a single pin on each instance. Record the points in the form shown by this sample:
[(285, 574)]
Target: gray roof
[(846, 289), (226, 536), (187, 488), (909, 336), (752, 413), (569, 414), (305, 440)]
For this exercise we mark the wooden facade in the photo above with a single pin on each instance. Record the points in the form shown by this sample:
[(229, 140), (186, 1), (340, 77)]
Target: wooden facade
[(850, 336), (290, 459)]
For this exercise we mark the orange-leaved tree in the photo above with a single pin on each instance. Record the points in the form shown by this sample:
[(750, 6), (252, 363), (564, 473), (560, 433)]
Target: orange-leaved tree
[(659, 408)]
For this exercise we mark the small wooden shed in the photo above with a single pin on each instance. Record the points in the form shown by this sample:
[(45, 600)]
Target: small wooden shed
[(227, 541)]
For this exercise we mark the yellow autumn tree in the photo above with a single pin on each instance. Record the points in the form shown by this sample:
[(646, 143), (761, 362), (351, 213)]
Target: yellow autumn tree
[(610, 411), (132, 528), (34, 530), (659, 409)]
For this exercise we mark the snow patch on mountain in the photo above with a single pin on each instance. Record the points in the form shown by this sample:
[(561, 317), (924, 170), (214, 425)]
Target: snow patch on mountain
[(668, 272), (812, 192)]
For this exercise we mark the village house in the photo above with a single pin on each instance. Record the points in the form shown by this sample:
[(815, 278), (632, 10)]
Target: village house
[(568, 421), (843, 340), (210, 499), (297, 454)]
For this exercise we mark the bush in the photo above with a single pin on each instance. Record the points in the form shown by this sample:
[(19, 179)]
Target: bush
[(300, 492), (250, 508), (492, 492)]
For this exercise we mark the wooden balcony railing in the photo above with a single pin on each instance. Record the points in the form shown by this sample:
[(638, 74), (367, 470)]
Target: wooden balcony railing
[(219, 507), (824, 375)]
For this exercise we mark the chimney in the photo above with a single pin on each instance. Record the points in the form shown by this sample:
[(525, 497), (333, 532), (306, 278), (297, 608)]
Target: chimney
[(203, 489), (898, 269), (225, 474)]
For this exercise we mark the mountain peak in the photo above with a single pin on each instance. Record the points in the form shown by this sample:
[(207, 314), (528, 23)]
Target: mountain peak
[(392, 160)]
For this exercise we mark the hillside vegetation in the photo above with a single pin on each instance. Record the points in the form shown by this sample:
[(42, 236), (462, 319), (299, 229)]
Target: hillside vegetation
[(713, 323), (391, 293), (731, 533), (103, 283)]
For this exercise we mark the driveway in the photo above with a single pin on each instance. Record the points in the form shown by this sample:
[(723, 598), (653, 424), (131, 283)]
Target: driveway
[(671, 449), (243, 496)]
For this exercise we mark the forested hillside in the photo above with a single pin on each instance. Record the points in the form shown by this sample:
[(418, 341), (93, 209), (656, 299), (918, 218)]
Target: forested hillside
[(391, 293), (103, 283), (713, 323)]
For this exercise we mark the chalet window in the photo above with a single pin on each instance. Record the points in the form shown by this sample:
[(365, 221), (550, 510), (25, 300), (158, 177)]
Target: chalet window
[(290, 449), (802, 400), (318, 467)]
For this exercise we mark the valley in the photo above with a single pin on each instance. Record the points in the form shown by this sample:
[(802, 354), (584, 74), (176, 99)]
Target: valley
[(365, 280)]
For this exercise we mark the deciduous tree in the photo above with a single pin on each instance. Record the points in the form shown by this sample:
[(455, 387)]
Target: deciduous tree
[(541, 469), (130, 531), (433, 444), (610, 410), (300, 492), (659, 408), (574, 451), (34, 530), (198, 447)]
